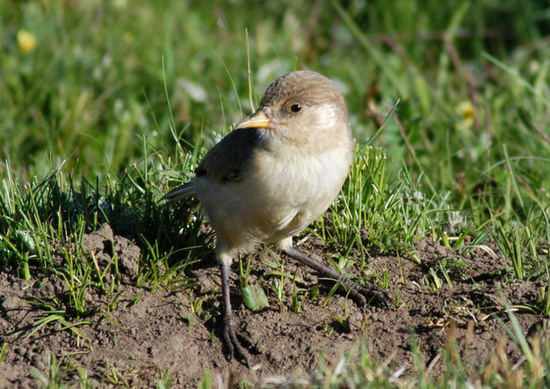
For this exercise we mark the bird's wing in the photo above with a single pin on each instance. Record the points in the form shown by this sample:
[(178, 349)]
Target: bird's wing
[(226, 162), (229, 159)]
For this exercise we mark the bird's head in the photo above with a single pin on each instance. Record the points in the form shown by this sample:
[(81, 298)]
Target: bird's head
[(302, 108)]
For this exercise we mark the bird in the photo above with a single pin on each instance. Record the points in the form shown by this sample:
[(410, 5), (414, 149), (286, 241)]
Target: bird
[(273, 175)]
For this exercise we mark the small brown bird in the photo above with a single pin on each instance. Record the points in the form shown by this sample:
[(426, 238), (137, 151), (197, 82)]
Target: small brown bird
[(278, 171)]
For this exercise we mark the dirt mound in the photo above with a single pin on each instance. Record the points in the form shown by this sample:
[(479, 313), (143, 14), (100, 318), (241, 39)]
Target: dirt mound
[(144, 336)]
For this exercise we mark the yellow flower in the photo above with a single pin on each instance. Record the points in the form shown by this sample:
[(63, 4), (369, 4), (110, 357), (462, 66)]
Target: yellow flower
[(26, 41), (466, 110), (129, 37)]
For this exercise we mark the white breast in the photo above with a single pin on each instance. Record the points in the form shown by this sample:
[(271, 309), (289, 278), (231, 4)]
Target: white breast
[(297, 190)]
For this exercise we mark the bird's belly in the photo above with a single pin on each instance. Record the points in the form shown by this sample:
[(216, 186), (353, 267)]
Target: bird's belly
[(272, 204)]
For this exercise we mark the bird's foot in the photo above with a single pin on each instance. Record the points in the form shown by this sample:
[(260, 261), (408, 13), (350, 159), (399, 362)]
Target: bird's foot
[(236, 349), (366, 294)]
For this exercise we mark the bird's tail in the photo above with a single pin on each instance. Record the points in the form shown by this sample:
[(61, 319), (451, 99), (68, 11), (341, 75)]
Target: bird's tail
[(180, 192)]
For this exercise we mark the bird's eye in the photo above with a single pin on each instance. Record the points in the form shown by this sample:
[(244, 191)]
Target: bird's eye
[(296, 108)]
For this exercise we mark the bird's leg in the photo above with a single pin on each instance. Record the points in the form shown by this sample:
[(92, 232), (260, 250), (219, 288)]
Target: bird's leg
[(229, 335), (363, 293)]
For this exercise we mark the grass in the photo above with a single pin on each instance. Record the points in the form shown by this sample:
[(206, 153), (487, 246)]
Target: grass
[(449, 105)]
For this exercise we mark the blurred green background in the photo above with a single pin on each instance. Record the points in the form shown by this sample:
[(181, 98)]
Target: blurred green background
[(91, 82)]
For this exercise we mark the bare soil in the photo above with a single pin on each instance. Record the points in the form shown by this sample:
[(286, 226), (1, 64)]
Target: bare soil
[(152, 334)]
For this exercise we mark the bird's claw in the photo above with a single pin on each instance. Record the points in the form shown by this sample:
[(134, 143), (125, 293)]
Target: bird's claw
[(235, 347), (367, 294)]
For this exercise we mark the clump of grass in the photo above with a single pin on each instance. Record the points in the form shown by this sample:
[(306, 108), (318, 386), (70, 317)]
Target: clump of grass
[(374, 210)]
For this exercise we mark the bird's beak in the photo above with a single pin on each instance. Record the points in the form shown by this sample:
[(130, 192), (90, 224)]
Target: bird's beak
[(257, 120)]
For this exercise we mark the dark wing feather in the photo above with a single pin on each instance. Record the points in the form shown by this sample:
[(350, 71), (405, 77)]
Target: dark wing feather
[(229, 159)]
